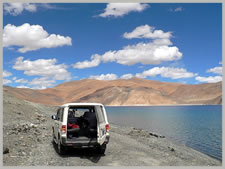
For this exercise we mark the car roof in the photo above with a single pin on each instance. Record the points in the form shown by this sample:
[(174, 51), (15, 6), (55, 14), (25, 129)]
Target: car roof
[(81, 104)]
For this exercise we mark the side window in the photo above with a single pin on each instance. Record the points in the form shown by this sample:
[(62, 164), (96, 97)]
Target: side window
[(57, 115), (62, 112), (100, 114)]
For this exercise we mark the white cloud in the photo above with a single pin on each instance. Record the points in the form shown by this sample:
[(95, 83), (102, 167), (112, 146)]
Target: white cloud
[(18, 8), (6, 73), (32, 37), (37, 83), (47, 69), (104, 77), (22, 86), (49, 6), (140, 67), (178, 9), (216, 70), (42, 83), (145, 53), (210, 79), (121, 9), (168, 72), (146, 31), (43, 67), (6, 81), (95, 61), (21, 81), (154, 52), (126, 76)]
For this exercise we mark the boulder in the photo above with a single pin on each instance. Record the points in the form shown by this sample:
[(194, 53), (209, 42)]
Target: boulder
[(5, 150)]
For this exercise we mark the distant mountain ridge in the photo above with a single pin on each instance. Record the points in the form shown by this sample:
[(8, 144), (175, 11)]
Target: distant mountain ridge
[(134, 91)]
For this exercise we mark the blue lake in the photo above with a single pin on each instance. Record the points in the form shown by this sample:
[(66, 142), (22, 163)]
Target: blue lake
[(199, 127)]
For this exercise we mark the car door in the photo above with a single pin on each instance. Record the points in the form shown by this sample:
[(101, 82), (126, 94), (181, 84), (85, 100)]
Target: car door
[(56, 127), (60, 120), (101, 125)]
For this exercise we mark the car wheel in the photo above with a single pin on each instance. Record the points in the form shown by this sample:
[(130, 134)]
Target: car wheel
[(61, 148), (53, 137), (101, 149), (53, 141)]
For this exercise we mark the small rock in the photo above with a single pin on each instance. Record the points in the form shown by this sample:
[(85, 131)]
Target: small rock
[(156, 135), (153, 134), (36, 133), (5, 150), (24, 153), (171, 149)]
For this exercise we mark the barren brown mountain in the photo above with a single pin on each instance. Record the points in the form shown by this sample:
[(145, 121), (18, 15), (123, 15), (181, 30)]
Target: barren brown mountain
[(134, 91)]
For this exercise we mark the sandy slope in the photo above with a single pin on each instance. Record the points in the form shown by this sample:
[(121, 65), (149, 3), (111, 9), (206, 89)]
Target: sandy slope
[(134, 91)]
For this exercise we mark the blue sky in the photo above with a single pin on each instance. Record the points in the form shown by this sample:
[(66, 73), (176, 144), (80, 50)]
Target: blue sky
[(48, 44)]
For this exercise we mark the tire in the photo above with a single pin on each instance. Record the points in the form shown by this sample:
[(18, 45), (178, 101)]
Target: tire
[(53, 137), (53, 141), (60, 148), (101, 149)]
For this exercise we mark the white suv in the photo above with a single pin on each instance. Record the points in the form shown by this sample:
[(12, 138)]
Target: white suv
[(81, 125)]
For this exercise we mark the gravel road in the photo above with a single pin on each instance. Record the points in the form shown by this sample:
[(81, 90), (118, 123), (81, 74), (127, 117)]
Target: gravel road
[(27, 141)]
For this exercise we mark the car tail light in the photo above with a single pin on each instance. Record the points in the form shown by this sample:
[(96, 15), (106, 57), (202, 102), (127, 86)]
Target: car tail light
[(107, 127), (63, 128)]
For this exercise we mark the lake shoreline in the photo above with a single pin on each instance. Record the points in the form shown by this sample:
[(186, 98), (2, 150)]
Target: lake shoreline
[(144, 105), (140, 132), (163, 146), (182, 124)]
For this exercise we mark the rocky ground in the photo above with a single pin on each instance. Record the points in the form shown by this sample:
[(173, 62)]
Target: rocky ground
[(27, 141)]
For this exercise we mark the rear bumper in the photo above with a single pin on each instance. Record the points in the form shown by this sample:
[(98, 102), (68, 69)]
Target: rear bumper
[(79, 142)]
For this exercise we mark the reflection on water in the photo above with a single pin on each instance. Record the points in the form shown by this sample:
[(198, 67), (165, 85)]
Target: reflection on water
[(199, 127)]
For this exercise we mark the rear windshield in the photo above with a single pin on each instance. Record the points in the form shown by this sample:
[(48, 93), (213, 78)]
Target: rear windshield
[(78, 111)]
